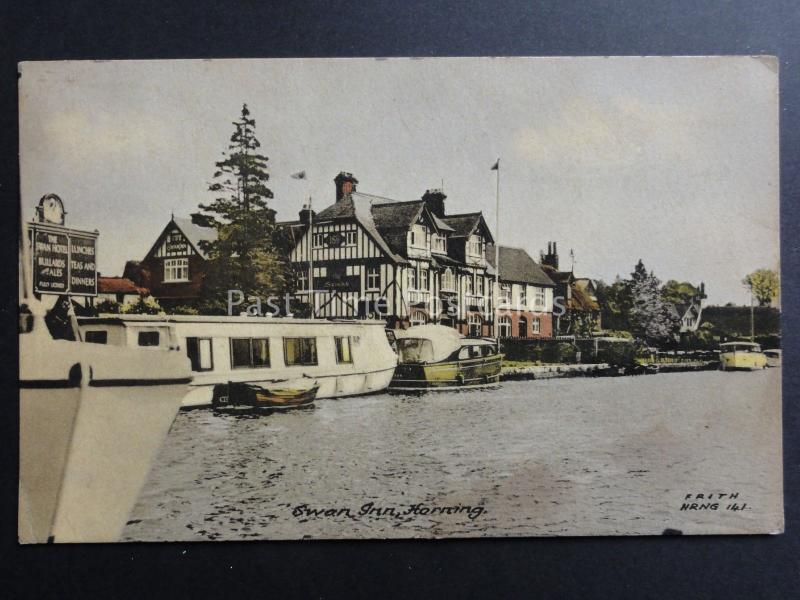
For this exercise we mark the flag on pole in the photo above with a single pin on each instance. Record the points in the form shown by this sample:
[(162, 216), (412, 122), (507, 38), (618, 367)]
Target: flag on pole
[(496, 166), (299, 175)]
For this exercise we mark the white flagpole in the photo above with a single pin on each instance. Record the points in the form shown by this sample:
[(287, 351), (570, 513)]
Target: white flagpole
[(497, 257)]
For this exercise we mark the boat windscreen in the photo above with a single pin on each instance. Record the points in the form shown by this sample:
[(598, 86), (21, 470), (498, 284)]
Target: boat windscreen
[(415, 350)]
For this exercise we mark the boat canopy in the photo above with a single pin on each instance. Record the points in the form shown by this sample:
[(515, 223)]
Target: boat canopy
[(740, 346), (427, 343)]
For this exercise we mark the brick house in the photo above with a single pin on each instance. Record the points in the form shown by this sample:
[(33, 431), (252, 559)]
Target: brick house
[(174, 268), (525, 306)]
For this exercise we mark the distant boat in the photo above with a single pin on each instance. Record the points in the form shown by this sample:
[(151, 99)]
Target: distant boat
[(745, 356), (264, 396), (438, 357), (343, 357), (773, 357)]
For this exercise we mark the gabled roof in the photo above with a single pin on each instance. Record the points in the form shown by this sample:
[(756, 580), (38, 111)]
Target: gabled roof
[(580, 300), (516, 265), (194, 233), (558, 276)]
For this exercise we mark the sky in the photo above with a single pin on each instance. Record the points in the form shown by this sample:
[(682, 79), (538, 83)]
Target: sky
[(670, 160)]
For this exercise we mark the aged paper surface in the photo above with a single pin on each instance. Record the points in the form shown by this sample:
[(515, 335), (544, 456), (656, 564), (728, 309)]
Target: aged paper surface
[(389, 298)]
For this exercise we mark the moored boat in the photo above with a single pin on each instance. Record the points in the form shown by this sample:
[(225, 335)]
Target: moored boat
[(773, 357), (745, 356), (438, 357), (343, 357), (264, 396), (92, 420)]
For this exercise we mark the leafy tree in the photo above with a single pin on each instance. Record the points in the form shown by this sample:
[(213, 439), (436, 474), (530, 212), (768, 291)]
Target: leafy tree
[(615, 303), (679, 292), (245, 255), (145, 305), (651, 316), (765, 284)]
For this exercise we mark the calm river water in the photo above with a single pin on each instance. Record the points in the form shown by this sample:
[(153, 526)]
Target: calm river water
[(558, 457)]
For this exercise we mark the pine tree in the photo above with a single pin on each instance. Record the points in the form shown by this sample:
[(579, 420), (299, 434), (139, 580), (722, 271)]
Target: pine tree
[(245, 255)]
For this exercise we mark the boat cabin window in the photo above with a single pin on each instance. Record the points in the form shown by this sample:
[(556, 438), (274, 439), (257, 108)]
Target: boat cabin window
[(149, 338), (343, 350), (468, 352), (199, 352), (300, 351), (96, 337), (249, 353), (415, 350)]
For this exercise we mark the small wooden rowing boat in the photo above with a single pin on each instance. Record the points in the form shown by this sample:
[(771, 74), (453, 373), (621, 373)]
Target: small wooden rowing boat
[(280, 395)]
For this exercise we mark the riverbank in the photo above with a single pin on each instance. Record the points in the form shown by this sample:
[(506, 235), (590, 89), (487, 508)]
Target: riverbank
[(518, 372)]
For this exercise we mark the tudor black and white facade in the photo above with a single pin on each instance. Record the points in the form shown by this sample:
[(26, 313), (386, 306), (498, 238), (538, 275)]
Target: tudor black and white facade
[(407, 262)]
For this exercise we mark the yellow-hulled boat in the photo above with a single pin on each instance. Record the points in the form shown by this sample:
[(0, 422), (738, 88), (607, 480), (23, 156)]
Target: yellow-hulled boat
[(437, 357), (742, 356)]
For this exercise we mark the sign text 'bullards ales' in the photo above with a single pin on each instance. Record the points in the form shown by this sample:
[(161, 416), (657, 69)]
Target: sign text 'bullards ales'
[(64, 260)]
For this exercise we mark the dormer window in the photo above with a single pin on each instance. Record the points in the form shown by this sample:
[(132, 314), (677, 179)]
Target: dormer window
[(475, 246), (418, 236), (439, 243)]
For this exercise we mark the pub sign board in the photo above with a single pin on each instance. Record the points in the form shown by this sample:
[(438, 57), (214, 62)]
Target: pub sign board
[(64, 260)]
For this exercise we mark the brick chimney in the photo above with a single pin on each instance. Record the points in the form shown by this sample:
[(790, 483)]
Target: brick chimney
[(434, 200), (345, 185), (551, 258)]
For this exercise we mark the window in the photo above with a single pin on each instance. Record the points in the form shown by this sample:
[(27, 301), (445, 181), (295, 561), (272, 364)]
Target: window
[(505, 326), (418, 318), (412, 278), (479, 285), (423, 279), (505, 293), (448, 280), (343, 350), (373, 278), (318, 240), (96, 337), (302, 281), (149, 338), (536, 324), (538, 297), (176, 269), (475, 325), (249, 353), (199, 352), (468, 281), (350, 237), (417, 236), (439, 243), (475, 246), (523, 296), (300, 351)]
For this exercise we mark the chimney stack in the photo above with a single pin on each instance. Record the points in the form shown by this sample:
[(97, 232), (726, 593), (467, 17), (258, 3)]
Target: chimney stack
[(345, 185), (434, 200), (306, 214), (551, 258)]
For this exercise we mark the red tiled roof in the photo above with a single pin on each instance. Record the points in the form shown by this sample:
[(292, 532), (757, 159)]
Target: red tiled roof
[(118, 285)]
